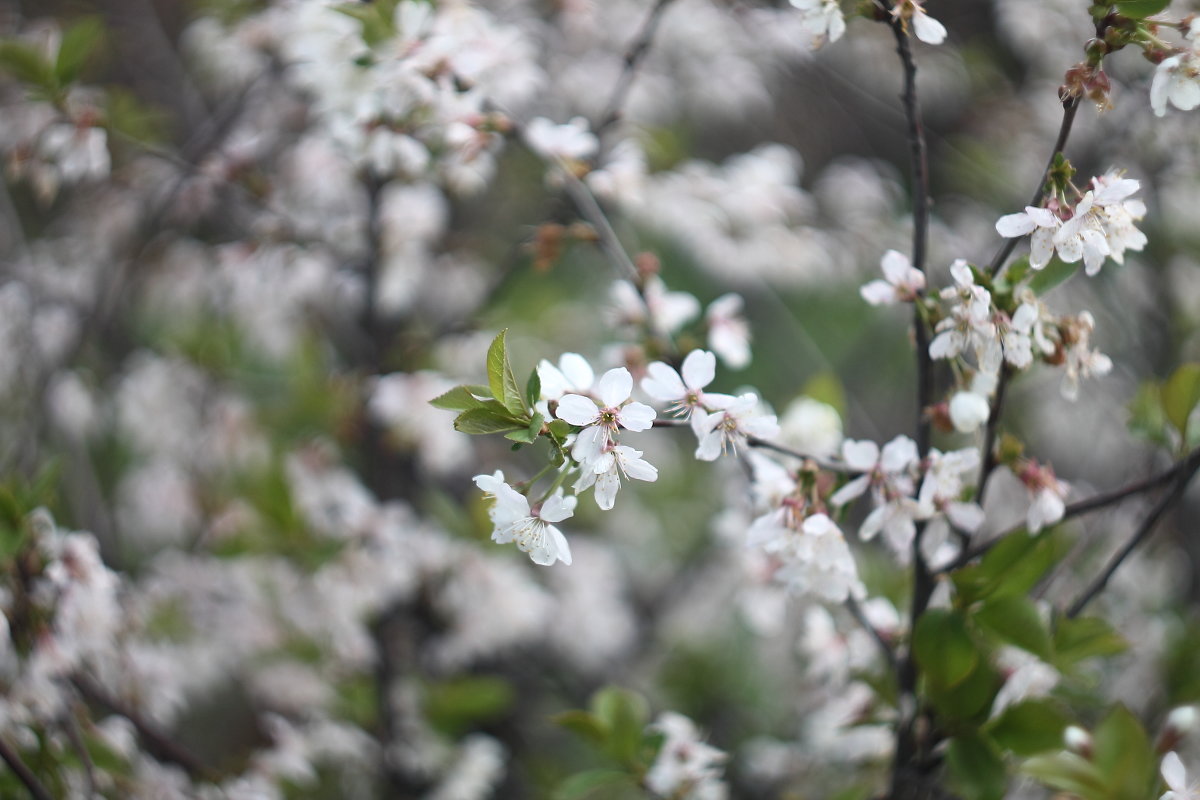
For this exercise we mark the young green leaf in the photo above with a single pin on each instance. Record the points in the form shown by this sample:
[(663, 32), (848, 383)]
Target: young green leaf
[(500, 376), (1015, 620), (976, 768), (533, 389), (1051, 275), (943, 647), (1030, 727), (480, 421), (1180, 394), (78, 43), (1085, 637), (459, 398), (1140, 9)]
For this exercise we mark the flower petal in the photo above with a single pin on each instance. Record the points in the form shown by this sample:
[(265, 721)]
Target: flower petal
[(614, 387), (699, 369)]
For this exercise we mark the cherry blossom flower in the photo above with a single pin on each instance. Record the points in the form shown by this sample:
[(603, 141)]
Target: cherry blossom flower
[(720, 431), (1042, 223), (1175, 776), (606, 470), (888, 474), (601, 422), (902, 281), (686, 394), (572, 375), (1177, 79), (728, 333), (813, 554), (1047, 495), (1080, 360), (970, 319), (684, 766), (531, 529), (663, 311), (572, 141), (969, 410), (823, 20), (939, 498)]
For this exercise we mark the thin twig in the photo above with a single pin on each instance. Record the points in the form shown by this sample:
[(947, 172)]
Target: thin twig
[(71, 726), (990, 462), (37, 790), (1143, 532), (885, 647), (634, 57), (1094, 503), (1070, 106), (156, 741)]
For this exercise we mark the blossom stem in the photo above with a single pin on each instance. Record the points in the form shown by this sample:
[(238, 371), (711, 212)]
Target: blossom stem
[(1140, 535), (634, 57)]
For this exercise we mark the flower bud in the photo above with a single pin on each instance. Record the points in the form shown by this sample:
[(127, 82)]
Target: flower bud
[(1078, 741)]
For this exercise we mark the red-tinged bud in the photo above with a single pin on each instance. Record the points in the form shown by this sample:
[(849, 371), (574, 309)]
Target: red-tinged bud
[(1079, 741), (939, 415), (647, 264), (1180, 722)]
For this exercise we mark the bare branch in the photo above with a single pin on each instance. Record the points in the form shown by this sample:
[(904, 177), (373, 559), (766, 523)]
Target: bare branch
[(634, 57), (37, 790)]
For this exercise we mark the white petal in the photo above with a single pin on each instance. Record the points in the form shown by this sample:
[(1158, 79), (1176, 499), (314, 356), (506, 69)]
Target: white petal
[(663, 383), (577, 371), (1070, 249), (577, 409), (588, 444), (895, 267), (928, 29), (636, 417), (710, 446), (699, 369), (557, 508), (879, 293), (1173, 772), (851, 490), (614, 387), (898, 455), (1041, 248), (965, 516), (968, 411), (860, 455), (1012, 225), (606, 489)]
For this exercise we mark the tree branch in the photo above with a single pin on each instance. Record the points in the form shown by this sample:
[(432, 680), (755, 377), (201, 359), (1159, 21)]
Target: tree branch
[(1190, 463), (1143, 532), (634, 57), (156, 741), (908, 747), (37, 790), (1070, 106), (993, 429)]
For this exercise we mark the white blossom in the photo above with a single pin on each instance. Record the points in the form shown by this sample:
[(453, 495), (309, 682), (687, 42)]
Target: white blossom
[(600, 421), (733, 421), (531, 529), (822, 19), (1175, 776), (902, 282), (1177, 79)]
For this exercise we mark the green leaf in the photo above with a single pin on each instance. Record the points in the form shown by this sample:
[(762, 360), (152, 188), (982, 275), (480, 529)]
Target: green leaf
[(1067, 772), (480, 421), (533, 389), (1140, 9), (1180, 394), (1015, 620), (944, 648), (456, 705), (583, 724), (1146, 415), (459, 398), (27, 65), (976, 768), (560, 429), (1051, 275), (970, 700), (1085, 637), (78, 43), (522, 436), (1008, 280), (500, 376), (624, 714), (599, 784), (1013, 565), (1124, 755), (1030, 727)]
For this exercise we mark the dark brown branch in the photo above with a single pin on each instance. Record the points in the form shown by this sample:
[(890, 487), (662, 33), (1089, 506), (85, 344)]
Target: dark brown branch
[(991, 432), (909, 749), (1094, 503), (634, 57), (37, 789), (1143, 532), (156, 741), (1070, 106)]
